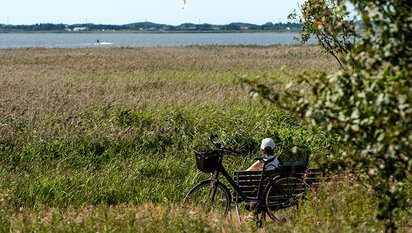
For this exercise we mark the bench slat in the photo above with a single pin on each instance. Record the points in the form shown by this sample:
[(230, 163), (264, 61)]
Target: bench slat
[(255, 173), (241, 173), (248, 188), (247, 178), (254, 177), (248, 181)]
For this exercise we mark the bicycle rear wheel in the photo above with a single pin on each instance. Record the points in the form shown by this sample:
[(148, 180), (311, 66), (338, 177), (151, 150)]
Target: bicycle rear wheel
[(208, 195), (284, 193)]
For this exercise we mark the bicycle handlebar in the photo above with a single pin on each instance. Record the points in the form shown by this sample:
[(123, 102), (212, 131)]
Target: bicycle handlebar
[(233, 151), (219, 146), (225, 151)]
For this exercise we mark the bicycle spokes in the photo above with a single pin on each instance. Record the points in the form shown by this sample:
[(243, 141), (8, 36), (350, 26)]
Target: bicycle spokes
[(209, 195)]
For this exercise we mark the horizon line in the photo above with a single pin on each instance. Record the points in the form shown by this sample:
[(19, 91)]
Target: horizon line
[(150, 22)]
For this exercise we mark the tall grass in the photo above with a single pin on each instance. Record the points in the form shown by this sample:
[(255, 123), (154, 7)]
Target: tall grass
[(108, 135), (336, 206)]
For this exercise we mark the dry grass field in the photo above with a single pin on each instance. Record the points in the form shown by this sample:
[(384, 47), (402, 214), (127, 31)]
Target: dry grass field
[(96, 140), (83, 76), (55, 86), (53, 80), (208, 59)]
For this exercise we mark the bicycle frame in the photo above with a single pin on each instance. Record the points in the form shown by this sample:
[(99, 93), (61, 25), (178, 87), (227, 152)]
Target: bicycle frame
[(221, 169)]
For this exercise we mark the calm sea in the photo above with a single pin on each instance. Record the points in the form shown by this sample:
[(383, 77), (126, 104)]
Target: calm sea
[(81, 40)]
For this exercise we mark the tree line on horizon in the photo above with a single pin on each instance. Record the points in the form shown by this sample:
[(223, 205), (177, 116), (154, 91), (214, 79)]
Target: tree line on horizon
[(149, 26)]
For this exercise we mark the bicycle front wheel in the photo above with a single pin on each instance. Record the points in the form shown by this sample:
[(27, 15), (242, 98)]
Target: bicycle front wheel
[(284, 193), (209, 195)]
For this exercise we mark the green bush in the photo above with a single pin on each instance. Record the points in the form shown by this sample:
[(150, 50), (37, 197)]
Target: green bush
[(368, 106)]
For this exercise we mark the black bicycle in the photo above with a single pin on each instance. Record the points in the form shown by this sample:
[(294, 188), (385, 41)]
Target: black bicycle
[(265, 191)]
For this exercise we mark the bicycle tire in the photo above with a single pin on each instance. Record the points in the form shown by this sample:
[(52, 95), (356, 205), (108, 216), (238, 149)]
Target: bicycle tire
[(201, 194), (293, 191)]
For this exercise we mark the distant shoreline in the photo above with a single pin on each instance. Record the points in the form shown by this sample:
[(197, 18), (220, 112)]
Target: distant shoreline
[(145, 32), (149, 27)]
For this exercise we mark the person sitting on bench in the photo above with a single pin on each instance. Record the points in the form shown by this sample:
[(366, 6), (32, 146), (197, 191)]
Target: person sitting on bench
[(267, 148)]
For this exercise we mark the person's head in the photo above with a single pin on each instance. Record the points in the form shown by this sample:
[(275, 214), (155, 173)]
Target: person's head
[(268, 146)]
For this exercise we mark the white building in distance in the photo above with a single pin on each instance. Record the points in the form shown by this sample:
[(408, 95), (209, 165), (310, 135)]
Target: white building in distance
[(79, 29)]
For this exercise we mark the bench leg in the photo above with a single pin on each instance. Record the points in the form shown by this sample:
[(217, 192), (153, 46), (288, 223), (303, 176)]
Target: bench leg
[(237, 211)]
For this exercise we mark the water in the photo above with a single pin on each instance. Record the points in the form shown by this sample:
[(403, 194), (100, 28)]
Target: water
[(81, 40)]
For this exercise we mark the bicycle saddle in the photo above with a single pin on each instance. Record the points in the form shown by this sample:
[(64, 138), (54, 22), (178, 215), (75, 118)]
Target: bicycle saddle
[(265, 159)]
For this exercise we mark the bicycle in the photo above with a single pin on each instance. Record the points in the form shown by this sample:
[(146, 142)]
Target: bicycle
[(276, 189)]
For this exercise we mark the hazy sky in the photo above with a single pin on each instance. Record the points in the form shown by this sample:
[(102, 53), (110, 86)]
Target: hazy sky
[(157, 11)]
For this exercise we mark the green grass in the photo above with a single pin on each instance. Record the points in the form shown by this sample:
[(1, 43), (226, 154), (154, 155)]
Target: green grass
[(148, 158), (103, 139)]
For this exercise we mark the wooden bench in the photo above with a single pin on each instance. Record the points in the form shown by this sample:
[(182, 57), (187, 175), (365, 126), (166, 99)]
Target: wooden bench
[(248, 181)]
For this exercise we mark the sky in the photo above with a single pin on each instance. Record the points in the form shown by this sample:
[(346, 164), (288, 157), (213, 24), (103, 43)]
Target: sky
[(156, 11)]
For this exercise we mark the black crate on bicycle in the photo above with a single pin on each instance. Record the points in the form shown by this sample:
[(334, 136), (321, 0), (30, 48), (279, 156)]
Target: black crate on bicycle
[(206, 161)]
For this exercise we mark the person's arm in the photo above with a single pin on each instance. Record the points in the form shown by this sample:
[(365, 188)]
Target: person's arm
[(256, 166)]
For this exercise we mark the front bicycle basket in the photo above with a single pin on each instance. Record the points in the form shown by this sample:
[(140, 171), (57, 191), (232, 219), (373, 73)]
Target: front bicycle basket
[(206, 161)]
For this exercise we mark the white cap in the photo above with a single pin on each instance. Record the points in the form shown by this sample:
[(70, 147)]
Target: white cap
[(267, 142)]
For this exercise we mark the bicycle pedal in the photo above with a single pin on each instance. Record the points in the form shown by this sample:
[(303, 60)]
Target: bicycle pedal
[(250, 206)]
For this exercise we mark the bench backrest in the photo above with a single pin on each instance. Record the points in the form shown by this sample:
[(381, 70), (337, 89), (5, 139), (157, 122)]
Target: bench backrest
[(314, 175), (248, 181), (293, 154)]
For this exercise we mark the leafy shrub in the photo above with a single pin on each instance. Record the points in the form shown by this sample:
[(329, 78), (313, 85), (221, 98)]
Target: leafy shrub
[(331, 24), (368, 106)]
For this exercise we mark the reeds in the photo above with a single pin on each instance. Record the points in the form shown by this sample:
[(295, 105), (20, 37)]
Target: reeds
[(110, 132)]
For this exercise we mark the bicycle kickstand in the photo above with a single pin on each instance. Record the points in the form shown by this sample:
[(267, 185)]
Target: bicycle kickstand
[(259, 221)]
